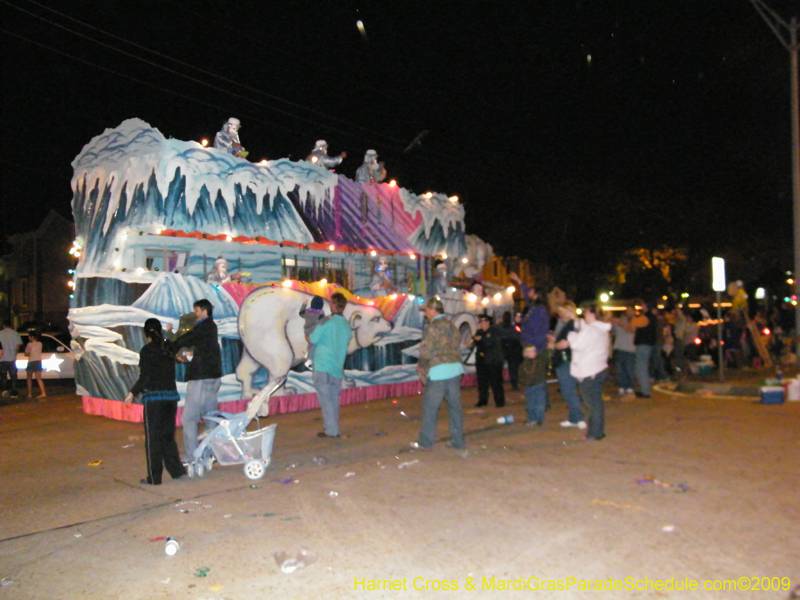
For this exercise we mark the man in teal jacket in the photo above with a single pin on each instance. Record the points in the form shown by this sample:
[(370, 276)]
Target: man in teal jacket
[(330, 351)]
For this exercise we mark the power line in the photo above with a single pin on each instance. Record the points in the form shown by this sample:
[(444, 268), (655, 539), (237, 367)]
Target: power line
[(185, 64)]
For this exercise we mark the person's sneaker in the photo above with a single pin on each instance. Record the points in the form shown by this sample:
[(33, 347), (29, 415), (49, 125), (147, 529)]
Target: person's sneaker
[(568, 424), (532, 423), (621, 391), (5, 393), (629, 391), (417, 446), (322, 434), (581, 425), (641, 395)]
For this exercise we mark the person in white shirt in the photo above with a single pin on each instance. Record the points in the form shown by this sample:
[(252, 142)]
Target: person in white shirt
[(589, 344)]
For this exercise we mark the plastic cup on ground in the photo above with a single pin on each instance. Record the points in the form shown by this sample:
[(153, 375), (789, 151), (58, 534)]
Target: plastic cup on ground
[(171, 547)]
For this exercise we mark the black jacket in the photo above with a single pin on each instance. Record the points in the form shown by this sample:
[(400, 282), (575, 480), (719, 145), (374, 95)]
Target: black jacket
[(206, 362), (488, 346), (156, 370), (563, 356)]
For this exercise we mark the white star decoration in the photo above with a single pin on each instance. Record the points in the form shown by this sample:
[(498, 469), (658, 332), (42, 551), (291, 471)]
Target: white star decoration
[(48, 364), (52, 363)]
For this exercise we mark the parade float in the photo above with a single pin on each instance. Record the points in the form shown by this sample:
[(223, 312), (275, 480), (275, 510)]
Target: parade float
[(161, 223)]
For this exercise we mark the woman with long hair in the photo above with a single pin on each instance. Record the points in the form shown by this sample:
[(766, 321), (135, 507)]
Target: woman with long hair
[(160, 398)]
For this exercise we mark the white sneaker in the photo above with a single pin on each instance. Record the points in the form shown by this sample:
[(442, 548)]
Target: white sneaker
[(569, 424), (629, 391), (621, 391), (581, 424)]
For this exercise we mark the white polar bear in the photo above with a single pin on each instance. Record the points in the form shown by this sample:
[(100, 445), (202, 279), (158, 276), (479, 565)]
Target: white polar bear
[(271, 330)]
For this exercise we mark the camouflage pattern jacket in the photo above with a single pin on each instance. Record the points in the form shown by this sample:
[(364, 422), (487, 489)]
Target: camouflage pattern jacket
[(441, 344)]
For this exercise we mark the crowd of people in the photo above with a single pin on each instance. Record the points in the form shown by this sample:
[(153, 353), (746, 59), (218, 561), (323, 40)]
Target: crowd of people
[(575, 345)]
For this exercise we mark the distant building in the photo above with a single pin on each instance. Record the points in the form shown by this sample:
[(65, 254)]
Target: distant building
[(37, 274), (497, 268)]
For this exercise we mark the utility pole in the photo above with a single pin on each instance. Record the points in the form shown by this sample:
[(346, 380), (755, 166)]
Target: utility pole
[(787, 35)]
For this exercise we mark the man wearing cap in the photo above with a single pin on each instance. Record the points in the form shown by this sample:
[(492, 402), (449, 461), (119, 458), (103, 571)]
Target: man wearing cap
[(227, 139), (319, 156), (219, 274), (440, 368), (371, 171)]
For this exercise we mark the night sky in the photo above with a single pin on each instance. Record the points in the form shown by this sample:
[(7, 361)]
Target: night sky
[(571, 130)]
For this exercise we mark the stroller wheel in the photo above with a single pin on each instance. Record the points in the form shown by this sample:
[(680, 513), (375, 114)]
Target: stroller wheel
[(209, 462), (254, 469), (190, 470), (199, 470)]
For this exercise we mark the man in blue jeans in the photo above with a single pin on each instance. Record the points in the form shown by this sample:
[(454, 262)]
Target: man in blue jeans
[(330, 340), (440, 368), (203, 374), (11, 342)]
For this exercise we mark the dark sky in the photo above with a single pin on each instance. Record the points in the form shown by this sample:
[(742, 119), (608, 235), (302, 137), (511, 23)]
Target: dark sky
[(676, 131)]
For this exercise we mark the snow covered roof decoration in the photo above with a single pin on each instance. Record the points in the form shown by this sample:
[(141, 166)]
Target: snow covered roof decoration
[(434, 207), (125, 158)]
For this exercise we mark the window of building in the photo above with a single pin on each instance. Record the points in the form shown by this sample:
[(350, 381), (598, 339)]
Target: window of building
[(161, 259)]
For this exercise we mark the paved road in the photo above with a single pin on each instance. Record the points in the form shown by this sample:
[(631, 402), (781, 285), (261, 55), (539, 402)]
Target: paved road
[(684, 489)]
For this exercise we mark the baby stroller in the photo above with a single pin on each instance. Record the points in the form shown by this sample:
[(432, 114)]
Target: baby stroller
[(227, 440)]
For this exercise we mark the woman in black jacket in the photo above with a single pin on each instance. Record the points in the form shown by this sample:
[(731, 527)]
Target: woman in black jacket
[(160, 399)]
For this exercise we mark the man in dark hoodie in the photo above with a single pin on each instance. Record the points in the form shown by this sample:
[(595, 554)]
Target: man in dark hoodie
[(203, 375)]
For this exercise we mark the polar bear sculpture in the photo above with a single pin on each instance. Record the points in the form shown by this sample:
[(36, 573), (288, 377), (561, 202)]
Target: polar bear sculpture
[(271, 330)]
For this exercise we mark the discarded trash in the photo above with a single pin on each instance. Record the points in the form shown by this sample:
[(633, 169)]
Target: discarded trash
[(77, 535), (6, 581), (202, 572), (161, 538), (349, 473), (615, 505), (287, 480), (668, 528), (405, 465), (216, 588), (167, 580), (404, 414), (505, 419), (192, 505), (293, 465), (262, 515), (319, 460), (228, 516), (171, 547), (135, 438), (128, 446), (678, 487), (291, 518), (289, 563), (94, 463), (333, 494), (253, 486)]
